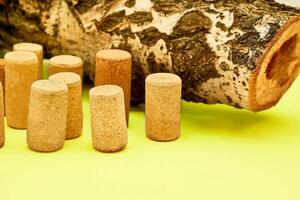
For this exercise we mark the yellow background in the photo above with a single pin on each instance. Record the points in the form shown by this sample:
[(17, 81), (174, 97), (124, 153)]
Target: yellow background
[(223, 153)]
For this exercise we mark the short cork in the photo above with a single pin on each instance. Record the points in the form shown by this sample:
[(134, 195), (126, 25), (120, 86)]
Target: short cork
[(163, 105), (74, 118), (21, 70), (65, 63), (113, 66), (108, 122), (2, 129), (2, 79), (35, 48), (47, 118)]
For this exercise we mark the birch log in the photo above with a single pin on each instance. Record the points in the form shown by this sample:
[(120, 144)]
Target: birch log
[(244, 53)]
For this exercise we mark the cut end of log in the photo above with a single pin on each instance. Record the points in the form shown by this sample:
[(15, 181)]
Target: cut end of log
[(277, 69)]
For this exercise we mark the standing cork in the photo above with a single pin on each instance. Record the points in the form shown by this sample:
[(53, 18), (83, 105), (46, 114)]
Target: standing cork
[(2, 79), (2, 129), (65, 63), (20, 72), (113, 66), (35, 48), (108, 122), (163, 104), (47, 117), (74, 119)]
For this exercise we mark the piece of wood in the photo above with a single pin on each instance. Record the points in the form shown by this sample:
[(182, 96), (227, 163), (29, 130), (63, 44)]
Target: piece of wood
[(224, 51), (35, 48), (74, 119), (21, 70), (2, 128), (47, 119), (65, 63), (162, 106), (108, 121), (113, 66)]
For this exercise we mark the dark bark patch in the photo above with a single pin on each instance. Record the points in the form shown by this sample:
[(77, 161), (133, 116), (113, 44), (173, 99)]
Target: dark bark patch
[(192, 23), (249, 38), (168, 7), (110, 23), (151, 35), (153, 66), (84, 5), (141, 17), (222, 26), (130, 3), (243, 21), (224, 66)]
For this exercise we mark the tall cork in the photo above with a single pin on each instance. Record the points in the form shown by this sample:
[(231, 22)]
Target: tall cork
[(163, 105), (35, 48), (2, 129), (108, 122), (74, 118), (113, 66), (2, 79), (20, 72), (47, 117), (65, 63)]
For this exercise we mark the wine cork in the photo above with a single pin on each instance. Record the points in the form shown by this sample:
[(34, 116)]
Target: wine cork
[(2, 129), (74, 117), (20, 72), (35, 48), (163, 104), (113, 67), (47, 116), (65, 63), (2, 80), (108, 122)]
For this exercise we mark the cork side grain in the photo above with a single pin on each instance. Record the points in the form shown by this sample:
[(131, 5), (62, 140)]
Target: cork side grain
[(2, 129)]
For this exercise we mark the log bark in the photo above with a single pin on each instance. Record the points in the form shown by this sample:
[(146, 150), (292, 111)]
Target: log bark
[(244, 53)]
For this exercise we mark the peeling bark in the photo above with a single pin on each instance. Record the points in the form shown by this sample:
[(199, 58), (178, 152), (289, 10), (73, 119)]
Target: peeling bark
[(225, 51)]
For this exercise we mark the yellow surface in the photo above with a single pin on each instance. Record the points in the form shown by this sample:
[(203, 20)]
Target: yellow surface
[(223, 153)]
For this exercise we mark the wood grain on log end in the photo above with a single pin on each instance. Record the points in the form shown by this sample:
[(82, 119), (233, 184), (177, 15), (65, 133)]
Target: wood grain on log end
[(277, 69)]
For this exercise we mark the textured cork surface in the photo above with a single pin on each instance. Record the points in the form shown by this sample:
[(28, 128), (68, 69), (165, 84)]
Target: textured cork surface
[(2, 129), (21, 70), (108, 122), (2, 79), (35, 48), (74, 117), (113, 66), (163, 105), (65, 63), (47, 116)]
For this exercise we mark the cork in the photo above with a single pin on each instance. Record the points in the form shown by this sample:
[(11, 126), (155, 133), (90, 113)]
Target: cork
[(2, 79), (74, 116), (2, 129), (65, 63), (108, 122), (163, 105), (35, 48), (20, 72), (47, 116), (113, 67)]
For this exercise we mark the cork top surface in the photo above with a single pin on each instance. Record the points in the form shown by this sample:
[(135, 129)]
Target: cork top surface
[(68, 78), (113, 54), (27, 47), (49, 87), (20, 57), (66, 61), (106, 90), (163, 79)]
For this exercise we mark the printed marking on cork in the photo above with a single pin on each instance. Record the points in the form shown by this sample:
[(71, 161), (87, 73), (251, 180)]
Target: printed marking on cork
[(2, 129), (65, 63), (108, 122), (47, 117), (162, 106), (35, 48), (113, 66), (21, 70), (74, 119)]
